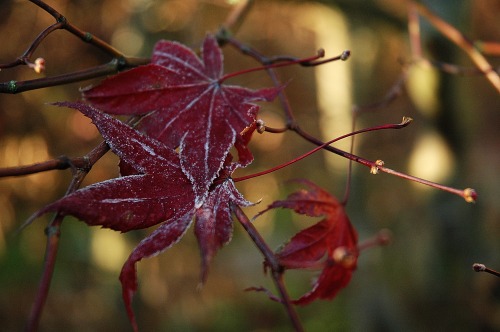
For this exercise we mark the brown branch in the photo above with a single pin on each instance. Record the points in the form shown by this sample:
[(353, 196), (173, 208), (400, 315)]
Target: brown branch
[(236, 17), (119, 61), (60, 163), (271, 261), (111, 67), (63, 23), (53, 233)]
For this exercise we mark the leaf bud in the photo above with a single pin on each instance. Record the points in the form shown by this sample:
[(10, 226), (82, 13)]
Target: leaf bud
[(39, 65)]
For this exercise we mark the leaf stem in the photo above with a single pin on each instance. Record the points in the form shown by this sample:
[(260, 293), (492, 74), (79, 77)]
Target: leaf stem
[(287, 62), (468, 194), (404, 123)]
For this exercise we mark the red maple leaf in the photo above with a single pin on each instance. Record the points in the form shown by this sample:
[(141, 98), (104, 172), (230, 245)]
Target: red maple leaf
[(331, 243), (188, 107), (157, 192)]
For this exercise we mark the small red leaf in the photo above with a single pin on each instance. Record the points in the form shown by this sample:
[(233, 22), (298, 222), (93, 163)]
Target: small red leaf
[(332, 279), (330, 243)]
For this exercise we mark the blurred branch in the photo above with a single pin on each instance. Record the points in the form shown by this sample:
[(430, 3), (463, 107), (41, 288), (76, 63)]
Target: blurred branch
[(53, 233), (468, 194), (415, 9), (478, 267), (272, 262), (60, 163), (236, 17)]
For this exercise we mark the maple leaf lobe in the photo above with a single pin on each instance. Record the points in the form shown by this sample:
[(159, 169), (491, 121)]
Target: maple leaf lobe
[(160, 192), (187, 106)]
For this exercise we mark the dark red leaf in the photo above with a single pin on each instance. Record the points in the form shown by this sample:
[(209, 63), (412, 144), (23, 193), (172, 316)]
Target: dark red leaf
[(157, 191), (330, 244), (160, 194), (189, 107)]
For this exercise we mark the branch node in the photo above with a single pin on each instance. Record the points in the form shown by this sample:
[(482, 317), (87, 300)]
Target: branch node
[(375, 168), (62, 19), (12, 86), (88, 37)]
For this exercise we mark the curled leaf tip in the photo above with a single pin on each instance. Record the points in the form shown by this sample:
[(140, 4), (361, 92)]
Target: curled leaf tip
[(375, 168), (345, 55), (470, 195)]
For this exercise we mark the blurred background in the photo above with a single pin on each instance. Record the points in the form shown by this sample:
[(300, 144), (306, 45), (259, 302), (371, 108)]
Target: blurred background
[(422, 281)]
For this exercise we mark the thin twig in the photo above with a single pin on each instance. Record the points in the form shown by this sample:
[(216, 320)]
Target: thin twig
[(375, 166), (60, 163), (53, 232), (118, 63), (272, 262), (237, 16), (482, 268), (98, 71)]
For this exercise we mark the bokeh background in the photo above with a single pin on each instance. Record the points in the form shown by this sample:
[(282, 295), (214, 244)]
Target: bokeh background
[(422, 281)]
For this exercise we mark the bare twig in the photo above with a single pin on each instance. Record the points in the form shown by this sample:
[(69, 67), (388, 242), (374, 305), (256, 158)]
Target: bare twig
[(119, 61), (482, 268), (272, 262)]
